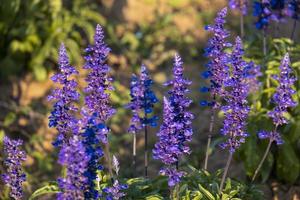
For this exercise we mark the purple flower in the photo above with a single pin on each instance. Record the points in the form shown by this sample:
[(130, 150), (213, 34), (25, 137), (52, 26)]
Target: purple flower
[(74, 158), (217, 69), (14, 176), (62, 116), (92, 138), (174, 175), (176, 129), (236, 107), (115, 192), (262, 10), (240, 5), (293, 9), (142, 101), (97, 100), (273, 135), (282, 98)]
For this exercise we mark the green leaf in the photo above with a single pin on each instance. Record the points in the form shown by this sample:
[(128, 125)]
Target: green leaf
[(206, 192), (288, 163), (9, 119), (48, 189)]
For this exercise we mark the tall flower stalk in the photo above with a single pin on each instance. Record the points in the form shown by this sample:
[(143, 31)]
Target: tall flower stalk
[(14, 176), (283, 99), (97, 100), (142, 103), (236, 107), (176, 130), (62, 116), (217, 70)]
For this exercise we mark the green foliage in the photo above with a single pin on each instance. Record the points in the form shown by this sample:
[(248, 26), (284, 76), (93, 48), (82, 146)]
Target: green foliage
[(50, 188), (283, 161), (31, 31)]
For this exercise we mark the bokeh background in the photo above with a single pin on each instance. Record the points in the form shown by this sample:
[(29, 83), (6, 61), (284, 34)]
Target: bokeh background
[(138, 31)]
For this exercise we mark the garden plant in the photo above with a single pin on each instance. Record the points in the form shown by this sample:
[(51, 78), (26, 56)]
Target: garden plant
[(249, 87)]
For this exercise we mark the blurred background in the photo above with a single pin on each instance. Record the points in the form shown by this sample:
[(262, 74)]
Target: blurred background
[(137, 31)]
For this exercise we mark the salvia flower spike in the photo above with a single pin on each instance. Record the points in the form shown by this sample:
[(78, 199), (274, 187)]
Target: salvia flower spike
[(282, 98), (99, 83), (14, 176), (217, 69), (176, 129), (236, 107), (62, 116), (142, 101), (73, 156)]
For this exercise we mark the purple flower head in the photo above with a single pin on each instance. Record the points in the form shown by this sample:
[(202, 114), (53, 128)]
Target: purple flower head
[(282, 98), (293, 9), (62, 115), (278, 11), (217, 69), (176, 129), (142, 101), (174, 175), (262, 10), (97, 100), (115, 192), (273, 135), (236, 107), (14, 176), (73, 156), (240, 5)]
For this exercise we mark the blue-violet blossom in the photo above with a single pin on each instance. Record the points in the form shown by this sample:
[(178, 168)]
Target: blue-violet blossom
[(236, 107), (217, 69), (14, 176), (240, 5), (282, 98), (176, 129), (62, 116), (142, 101)]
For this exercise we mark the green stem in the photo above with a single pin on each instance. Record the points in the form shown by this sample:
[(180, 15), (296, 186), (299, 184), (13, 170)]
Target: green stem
[(225, 172)]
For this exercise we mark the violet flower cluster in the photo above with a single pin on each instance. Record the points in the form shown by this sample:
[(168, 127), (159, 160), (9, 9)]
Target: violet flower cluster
[(97, 101), (282, 98), (115, 192), (236, 107), (142, 101), (217, 69), (73, 156), (62, 116), (14, 176), (176, 129), (240, 5)]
